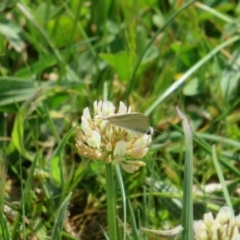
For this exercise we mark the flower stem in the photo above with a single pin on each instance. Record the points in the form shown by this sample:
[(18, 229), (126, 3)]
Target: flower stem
[(111, 205)]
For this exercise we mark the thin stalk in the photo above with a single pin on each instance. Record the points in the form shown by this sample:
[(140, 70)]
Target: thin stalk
[(121, 185), (111, 205)]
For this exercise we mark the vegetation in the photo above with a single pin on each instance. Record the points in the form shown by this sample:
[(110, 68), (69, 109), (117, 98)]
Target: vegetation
[(58, 57)]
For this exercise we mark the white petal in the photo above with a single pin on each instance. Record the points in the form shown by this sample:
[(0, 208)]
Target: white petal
[(132, 166), (86, 113), (122, 108), (104, 108), (100, 106), (236, 237), (107, 108), (141, 142), (120, 148), (94, 140), (137, 153), (136, 163), (200, 230), (86, 127), (215, 227), (109, 131), (224, 214), (102, 126), (129, 168), (97, 107), (208, 219)]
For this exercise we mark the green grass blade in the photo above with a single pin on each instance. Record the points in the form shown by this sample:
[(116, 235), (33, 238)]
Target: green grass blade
[(121, 185), (78, 176), (194, 68), (27, 192), (56, 233), (104, 233), (135, 234), (4, 226), (221, 179), (18, 128), (207, 148), (57, 171), (188, 180)]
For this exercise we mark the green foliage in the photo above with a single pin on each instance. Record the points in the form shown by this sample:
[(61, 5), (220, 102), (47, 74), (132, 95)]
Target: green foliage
[(58, 57), (56, 233)]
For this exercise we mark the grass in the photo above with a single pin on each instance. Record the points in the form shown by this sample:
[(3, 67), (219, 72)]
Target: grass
[(58, 57)]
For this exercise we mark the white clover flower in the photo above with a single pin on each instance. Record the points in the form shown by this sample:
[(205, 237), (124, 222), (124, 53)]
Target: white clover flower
[(200, 230), (98, 139), (223, 227)]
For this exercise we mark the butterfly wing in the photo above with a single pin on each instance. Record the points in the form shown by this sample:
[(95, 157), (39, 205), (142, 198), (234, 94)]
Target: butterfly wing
[(137, 122)]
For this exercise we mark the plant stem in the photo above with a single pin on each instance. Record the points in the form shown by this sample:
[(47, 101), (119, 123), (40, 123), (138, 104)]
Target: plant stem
[(111, 206)]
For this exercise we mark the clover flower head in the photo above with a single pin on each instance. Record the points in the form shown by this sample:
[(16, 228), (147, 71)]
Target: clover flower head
[(224, 226), (98, 139)]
